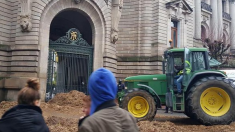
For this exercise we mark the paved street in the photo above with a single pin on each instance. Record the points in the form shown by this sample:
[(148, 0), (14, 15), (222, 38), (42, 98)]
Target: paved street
[(174, 114)]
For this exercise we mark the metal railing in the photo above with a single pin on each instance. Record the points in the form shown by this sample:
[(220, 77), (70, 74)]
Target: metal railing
[(206, 6), (227, 16)]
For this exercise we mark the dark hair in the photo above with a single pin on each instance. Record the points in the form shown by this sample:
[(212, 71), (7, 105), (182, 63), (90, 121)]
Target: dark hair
[(30, 92)]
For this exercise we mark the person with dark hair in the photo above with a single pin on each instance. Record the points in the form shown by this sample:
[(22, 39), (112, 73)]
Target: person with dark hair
[(105, 115), (27, 115)]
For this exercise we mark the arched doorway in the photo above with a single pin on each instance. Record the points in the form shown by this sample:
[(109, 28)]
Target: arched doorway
[(70, 58)]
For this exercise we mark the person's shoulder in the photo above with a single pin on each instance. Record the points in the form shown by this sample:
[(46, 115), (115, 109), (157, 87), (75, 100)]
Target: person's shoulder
[(90, 119), (9, 111), (127, 114), (89, 124)]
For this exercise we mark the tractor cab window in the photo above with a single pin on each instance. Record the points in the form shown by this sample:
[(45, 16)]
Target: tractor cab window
[(178, 62), (199, 61), (169, 65)]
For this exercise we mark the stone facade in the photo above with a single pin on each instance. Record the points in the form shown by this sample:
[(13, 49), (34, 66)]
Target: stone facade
[(129, 37), (217, 20), (24, 53), (145, 31)]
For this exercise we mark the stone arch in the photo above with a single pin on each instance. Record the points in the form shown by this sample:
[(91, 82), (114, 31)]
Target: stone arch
[(204, 31), (96, 19)]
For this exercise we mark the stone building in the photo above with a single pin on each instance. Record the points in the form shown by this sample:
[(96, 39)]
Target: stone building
[(146, 27), (62, 41)]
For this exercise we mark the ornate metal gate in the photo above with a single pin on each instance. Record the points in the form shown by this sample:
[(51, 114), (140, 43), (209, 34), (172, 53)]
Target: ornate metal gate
[(69, 64)]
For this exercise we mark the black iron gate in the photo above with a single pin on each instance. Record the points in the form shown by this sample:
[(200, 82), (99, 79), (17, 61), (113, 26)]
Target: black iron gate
[(70, 62)]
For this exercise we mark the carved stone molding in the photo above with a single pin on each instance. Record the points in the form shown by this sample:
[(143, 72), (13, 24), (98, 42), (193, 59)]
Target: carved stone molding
[(106, 1), (225, 26), (178, 9), (25, 23), (77, 1), (117, 6), (25, 20), (205, 18), (114, 36)]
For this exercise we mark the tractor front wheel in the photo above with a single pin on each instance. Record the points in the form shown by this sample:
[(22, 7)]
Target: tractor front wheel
[(140, 104), (211, 101)]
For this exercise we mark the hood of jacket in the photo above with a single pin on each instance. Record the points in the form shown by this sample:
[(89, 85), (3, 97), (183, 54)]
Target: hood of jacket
[(102, 87)]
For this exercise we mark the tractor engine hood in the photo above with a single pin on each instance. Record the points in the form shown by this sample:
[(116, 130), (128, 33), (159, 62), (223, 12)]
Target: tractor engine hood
[(140, 78)]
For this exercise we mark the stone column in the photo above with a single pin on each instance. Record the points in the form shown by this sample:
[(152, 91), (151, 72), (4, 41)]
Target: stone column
[(220, 19), (206, 1), (232, 28), (227, 6), (197, 27), (214, 20)]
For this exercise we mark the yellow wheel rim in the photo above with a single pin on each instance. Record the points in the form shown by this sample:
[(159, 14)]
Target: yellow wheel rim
[(138, 106), (215, 101)]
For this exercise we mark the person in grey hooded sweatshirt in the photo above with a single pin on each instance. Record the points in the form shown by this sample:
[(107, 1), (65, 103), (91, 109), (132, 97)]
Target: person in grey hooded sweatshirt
[(105, 115)]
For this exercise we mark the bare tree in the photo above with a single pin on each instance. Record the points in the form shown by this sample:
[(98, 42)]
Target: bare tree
[(218, 46)]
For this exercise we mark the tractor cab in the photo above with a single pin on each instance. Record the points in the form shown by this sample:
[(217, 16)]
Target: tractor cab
[(182, 62)]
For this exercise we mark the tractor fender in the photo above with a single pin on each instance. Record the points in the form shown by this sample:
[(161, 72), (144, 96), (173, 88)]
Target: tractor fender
[(199, 75), (152, 92)]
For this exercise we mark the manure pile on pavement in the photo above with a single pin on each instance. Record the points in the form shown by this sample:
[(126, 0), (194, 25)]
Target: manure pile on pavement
[(73, 98), (59, 124), (180, 124), (63, 111), (5, 105)]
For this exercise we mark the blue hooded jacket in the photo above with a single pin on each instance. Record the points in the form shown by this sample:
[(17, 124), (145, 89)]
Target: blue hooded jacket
[(102, 87)]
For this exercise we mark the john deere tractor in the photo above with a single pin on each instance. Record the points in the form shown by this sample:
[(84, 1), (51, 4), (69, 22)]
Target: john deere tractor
[(207, 97)]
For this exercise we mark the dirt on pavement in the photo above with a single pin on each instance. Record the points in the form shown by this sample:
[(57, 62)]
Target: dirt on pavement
[(63, 111)]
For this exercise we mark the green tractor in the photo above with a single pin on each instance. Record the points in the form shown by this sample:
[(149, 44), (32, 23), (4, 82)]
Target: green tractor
[(207, 97)]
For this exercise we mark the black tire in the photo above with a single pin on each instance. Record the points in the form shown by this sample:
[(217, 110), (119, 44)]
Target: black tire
[(138, 92), (187, 112), (194, 108)]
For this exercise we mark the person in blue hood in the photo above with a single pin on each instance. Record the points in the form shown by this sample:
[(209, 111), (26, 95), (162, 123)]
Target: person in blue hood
[(105, 115), (102, 88)]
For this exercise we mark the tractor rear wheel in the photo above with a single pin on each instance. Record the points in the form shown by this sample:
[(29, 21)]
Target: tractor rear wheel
[(140, 104), (211, 101)]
